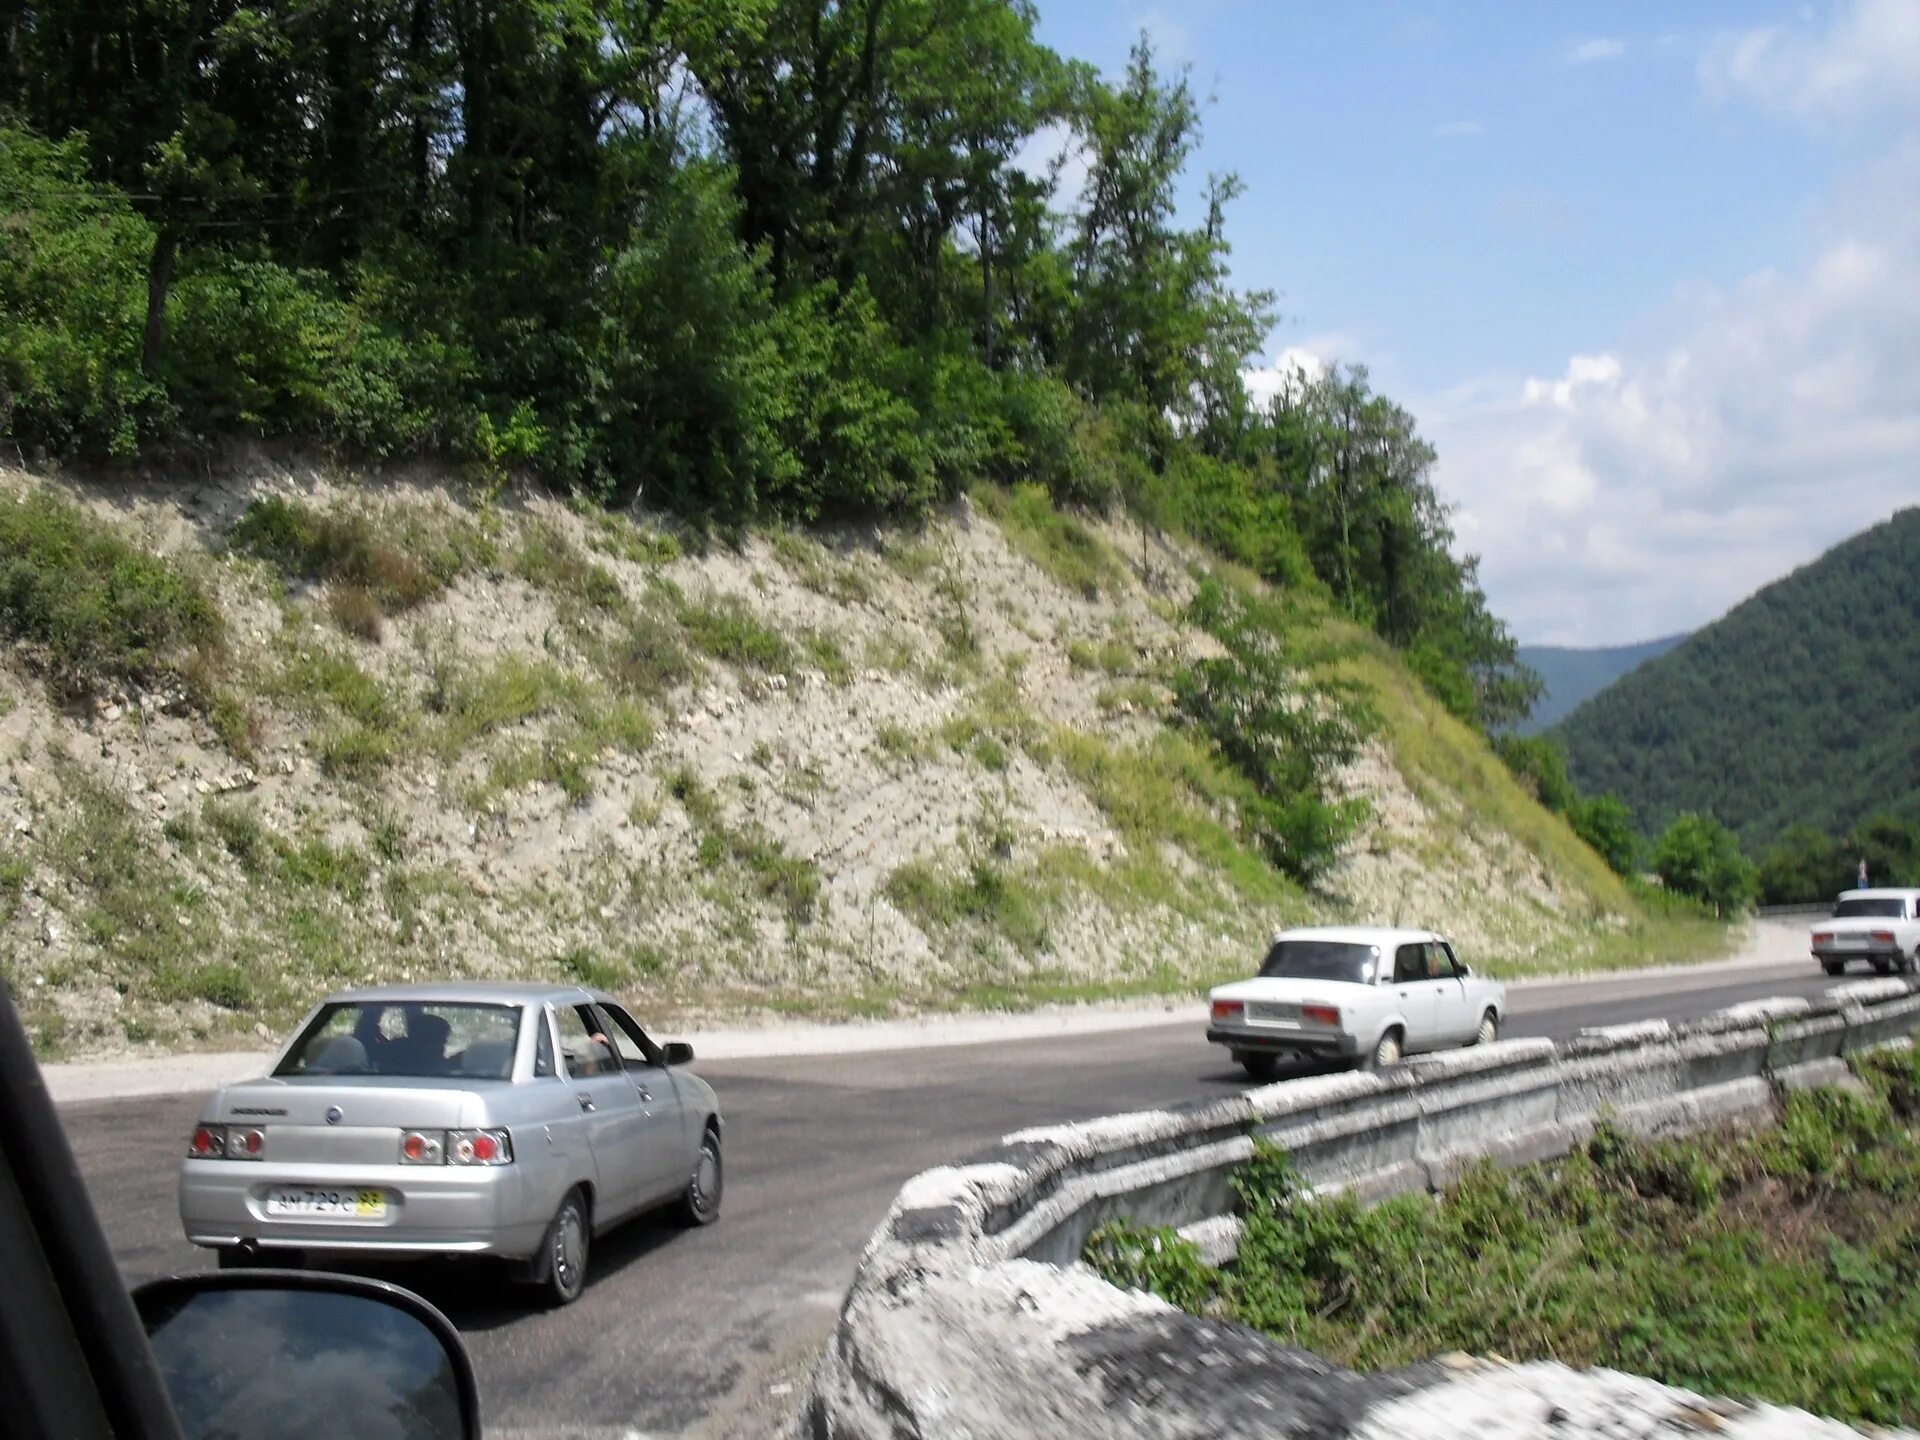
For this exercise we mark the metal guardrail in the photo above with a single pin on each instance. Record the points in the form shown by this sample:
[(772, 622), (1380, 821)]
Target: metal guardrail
[(1816, 911)]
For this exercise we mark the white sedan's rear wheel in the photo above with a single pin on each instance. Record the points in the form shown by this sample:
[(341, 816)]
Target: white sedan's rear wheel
[(1257, 1065), (1386, 1053), (1489, 1030)]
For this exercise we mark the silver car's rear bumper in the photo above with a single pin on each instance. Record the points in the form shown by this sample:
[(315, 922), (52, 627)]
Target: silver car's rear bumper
[(430, 1209)]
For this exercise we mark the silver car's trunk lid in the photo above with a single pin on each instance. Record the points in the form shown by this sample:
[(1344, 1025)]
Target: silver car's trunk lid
[(346, 1119)]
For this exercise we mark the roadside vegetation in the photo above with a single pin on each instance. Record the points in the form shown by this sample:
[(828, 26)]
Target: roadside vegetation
[(90, 610), (1783, 1265)]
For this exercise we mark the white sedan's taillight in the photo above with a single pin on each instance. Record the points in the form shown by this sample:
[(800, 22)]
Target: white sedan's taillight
[(423, 1147), (1229, 1010)]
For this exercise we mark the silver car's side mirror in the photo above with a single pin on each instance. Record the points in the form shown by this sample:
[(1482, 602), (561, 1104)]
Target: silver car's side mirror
[(678, 1052), (292, 1355), (1465, 970)]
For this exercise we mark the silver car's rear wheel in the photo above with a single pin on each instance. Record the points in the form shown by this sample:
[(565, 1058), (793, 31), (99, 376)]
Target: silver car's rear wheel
[(562, 1270), (1489, 1030), (701, 1203)]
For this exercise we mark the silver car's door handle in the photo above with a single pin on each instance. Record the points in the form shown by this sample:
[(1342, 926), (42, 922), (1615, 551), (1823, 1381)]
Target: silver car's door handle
[(586, 1102), (646, 1095)]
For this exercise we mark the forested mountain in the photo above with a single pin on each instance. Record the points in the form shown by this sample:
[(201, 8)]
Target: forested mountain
[(1570, 675), (740, 259), (1800, 706)]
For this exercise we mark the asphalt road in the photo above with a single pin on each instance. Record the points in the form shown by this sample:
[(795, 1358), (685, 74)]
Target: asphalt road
[(712, 1332)]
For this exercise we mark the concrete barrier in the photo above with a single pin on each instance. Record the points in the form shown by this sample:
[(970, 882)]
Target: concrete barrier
[(969, 1314)]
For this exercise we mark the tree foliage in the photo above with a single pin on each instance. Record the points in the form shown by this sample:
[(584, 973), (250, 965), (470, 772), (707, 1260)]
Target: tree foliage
[(1801, 706), (734, 257), (1698, 856)]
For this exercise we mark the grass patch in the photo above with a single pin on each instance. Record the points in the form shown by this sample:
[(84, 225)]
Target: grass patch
[(339, 549), (892, 651), (1058, 543), (1105, 657), (986, 893), (791, 882), (812, 564), (725, 627), (1173, 791), (1781, 1265), (155, 938), (623, 539), (548, 560), (824, 653), (897, 742), (648, 658), (1131, 697), (15, 870), (910, 557), (1451, 768), (89, 610)]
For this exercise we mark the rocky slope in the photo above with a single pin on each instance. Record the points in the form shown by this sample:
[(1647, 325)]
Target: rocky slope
[(841, 774)]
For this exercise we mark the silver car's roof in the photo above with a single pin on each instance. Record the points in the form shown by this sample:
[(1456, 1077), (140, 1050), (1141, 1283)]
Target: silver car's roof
[(470, 992)]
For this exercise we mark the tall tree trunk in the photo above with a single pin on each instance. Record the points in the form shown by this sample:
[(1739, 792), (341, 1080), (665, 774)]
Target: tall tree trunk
[(419, 38), (986, 283), (166, 244)]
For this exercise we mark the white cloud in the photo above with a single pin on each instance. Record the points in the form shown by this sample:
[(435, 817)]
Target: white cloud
[(1868, 60), (1649, 487), (1588, 52), (1298, 365), (1459, 130), (1055, 150)]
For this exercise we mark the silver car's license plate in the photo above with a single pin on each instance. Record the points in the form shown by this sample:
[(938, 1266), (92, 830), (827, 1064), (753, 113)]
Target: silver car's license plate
[(317, 1204)]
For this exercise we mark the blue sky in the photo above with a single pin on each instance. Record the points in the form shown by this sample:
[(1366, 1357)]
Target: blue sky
[(1583, 242)]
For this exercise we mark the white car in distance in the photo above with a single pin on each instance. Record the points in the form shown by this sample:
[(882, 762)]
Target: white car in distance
[(1353, 993)]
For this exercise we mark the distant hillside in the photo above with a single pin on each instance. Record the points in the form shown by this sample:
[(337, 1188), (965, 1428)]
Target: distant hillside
[(1573, 676), (1802, 704)]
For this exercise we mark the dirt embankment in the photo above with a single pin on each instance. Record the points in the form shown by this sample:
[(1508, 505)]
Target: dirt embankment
[(851, 774)]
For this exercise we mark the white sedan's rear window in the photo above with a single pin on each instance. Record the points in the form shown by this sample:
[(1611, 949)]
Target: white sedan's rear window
[(417, 1039), (1321, 960)]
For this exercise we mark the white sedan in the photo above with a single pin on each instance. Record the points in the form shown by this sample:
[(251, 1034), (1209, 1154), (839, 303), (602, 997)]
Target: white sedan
[(1354, 993)]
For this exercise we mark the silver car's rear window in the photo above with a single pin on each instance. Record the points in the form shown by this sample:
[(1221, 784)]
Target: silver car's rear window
[(1321, 960), (411, 1038), (1891, 908)]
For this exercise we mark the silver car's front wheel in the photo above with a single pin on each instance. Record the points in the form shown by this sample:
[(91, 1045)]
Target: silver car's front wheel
[(1489, 1030), (701, 1203), (563, 1254)]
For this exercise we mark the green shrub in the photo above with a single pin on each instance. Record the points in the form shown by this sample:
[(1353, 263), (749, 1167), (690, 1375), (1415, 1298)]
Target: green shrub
[(1778, 1265), (73, 307), (1285, 732), (726, 628), (91, 609), (340, 549)]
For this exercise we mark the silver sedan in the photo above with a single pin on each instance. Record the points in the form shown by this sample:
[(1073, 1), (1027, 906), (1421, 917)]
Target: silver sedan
[(515, 1121)]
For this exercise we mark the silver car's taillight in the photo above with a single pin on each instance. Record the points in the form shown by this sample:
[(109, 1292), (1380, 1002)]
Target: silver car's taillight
[(479, 1147), (227, 1142), (423, 1147), (456, 1147)]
